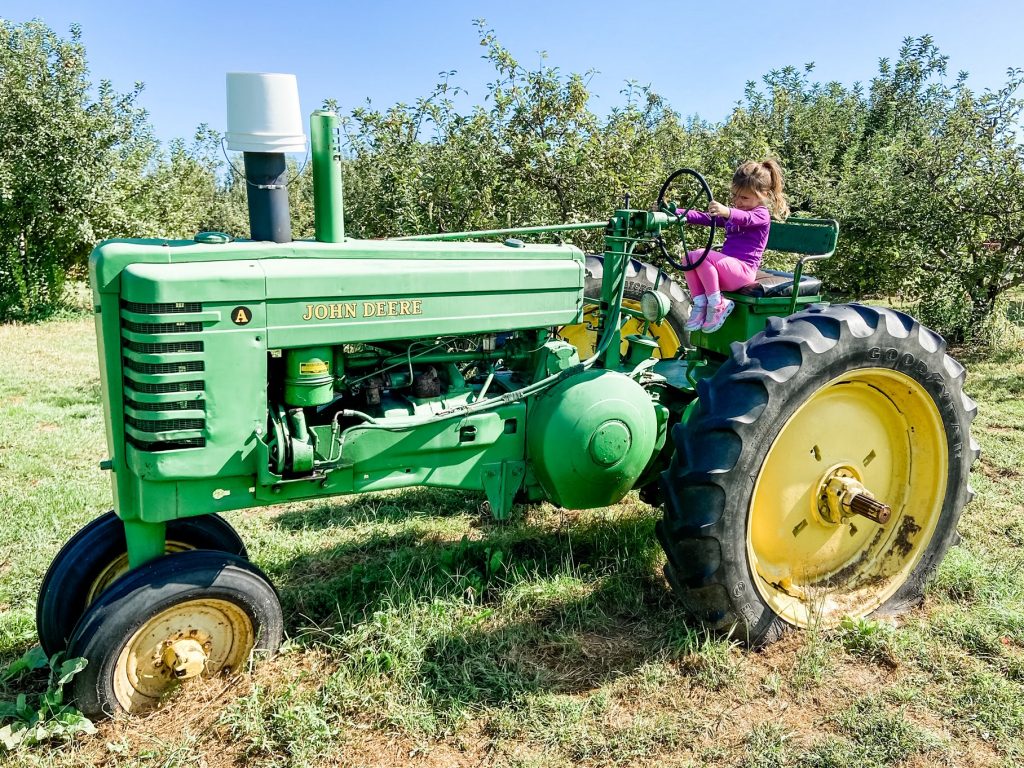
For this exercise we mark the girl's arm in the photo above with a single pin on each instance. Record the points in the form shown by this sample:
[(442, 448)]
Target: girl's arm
[(757, 217), (700, 218)]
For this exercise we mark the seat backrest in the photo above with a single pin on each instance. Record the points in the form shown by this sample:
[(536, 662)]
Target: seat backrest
[(805, 236)]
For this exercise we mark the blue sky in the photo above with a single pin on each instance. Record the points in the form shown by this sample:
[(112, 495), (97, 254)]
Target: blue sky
[(696, 54)]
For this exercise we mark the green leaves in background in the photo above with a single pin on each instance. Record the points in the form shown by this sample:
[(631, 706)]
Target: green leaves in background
[(923, 173)]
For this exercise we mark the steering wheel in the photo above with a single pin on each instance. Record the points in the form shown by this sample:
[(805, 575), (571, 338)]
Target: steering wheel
[(703, 191)]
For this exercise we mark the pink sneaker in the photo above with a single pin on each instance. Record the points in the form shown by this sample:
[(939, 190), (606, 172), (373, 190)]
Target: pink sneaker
[(696, 319), (716, 315)]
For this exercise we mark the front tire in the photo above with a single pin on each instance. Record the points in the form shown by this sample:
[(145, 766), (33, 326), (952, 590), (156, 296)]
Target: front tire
[(851, 391), (190, 614)]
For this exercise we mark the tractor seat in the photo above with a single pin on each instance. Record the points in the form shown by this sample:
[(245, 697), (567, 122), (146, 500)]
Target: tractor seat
[(770, 283)]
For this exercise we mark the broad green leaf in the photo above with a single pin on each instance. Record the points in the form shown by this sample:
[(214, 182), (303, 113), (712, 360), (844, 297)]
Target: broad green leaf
[(70, 668), (34, 658)]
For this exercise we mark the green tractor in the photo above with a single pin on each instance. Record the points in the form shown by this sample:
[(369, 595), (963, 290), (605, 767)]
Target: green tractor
[(812, 459)]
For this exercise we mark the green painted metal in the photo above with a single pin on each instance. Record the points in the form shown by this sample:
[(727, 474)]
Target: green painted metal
[(640, 348), (328, 189), (625, 229), (186, 384), (502, 482), (749, 317), (308, 376), (145, 541), (485, 233), (213, 237), (814, 238), (453, 453), (804, 235), (591, 437), (556, 357)]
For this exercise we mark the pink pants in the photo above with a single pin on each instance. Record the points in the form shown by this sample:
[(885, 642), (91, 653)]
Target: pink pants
[(718, 273)]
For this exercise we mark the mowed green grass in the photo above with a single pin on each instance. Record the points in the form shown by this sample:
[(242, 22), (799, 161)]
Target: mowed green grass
[(421, 633)]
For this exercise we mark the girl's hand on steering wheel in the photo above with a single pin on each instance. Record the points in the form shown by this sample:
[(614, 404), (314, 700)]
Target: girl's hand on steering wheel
[(715, 208)]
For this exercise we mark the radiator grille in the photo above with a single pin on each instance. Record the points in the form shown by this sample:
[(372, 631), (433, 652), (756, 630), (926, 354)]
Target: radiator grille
[(154, 427), (182, 327), (164, 425), (178, 405), (165, 445), (161, 389), (189, 366)]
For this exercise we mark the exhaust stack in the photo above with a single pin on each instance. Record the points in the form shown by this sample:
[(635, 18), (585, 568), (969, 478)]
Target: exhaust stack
[(265, 122)]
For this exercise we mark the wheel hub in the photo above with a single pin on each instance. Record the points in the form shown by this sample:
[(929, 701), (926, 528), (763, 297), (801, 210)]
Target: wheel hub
[(195, 638), (185, 658), (841, 495)]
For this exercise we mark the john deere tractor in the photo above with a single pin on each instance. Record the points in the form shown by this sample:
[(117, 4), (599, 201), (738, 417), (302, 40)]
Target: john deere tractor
[(811, 459)]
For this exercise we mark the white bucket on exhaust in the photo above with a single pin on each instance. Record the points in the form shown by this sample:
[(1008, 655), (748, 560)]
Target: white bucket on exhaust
[(264, 113)]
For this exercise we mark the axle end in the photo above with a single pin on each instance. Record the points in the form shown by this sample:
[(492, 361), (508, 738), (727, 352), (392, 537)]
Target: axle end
[(862, 504)]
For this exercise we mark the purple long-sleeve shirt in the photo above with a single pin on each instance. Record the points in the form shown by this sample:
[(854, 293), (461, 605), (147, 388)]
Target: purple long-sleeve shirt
[(746, 232)]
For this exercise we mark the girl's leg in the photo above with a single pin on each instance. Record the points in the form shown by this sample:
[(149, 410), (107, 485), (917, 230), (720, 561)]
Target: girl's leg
[(705, 274), (732, 273), (698, 312), (729, 273), (723, 273), (693, 281)]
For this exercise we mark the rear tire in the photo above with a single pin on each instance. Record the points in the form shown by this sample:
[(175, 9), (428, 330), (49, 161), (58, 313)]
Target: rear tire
[(640, 278), (859, 390)]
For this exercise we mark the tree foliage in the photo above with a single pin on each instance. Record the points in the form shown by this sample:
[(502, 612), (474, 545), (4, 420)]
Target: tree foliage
[(79, 164), (923, 173), (533, 152), (67, 161)]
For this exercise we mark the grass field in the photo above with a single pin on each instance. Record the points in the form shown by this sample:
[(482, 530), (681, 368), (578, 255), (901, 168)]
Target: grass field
[(421, 633)]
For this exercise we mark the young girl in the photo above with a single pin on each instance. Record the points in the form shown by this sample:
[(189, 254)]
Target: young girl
[(756, 187)]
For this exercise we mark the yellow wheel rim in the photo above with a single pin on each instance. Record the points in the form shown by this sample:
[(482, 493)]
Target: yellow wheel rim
[(197, 637), (119, 566), (881, 428), (583, 335)]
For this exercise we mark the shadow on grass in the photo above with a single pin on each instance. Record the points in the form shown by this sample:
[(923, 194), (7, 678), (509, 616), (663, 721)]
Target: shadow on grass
[(530, 606), (379, 508), (352, 580)]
